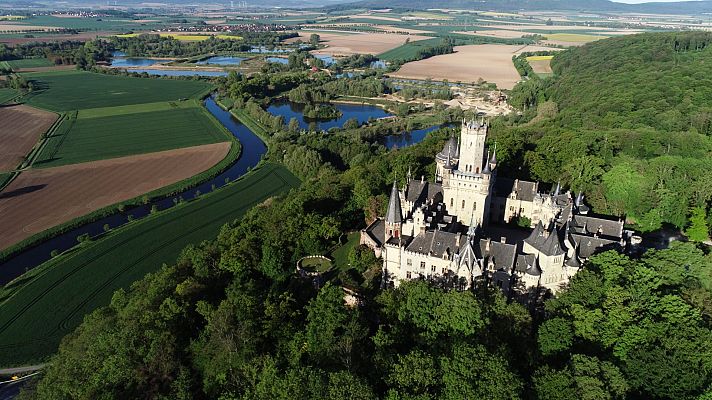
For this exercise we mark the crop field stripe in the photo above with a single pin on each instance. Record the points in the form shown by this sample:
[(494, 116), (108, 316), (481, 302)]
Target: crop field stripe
[(203, 217), (75, 90), (135, 108), (91, 139)]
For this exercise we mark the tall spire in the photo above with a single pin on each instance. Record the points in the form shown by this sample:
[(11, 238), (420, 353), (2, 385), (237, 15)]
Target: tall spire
[(557, 191), (394, 214), (493, 160)]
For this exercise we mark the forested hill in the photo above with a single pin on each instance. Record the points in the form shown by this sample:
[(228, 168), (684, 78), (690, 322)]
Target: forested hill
[(661, 81), (635, 116)]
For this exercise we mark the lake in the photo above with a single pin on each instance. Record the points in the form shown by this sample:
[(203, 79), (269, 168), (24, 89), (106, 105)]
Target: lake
[(362, 113), (278, 60), (134, 62), (408, 138), (177, 72), (222, 60)]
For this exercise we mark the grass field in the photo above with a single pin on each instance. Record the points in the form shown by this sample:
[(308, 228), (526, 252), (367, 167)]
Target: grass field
[(408, 51), (29, 63), (97, 135), (41, 307), (573, 37), (7, 94), (73, 90)]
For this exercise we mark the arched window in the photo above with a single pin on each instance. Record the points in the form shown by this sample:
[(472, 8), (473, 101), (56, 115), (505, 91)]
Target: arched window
[(474, 206), (478, 170), (451, 201), (463, 204)]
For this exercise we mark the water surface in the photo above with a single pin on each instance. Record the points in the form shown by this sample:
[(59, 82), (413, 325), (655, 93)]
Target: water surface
[(362, 113)]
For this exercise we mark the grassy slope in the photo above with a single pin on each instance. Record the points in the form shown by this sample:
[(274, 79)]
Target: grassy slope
[(49, 302), (74, 90), (100, 137)]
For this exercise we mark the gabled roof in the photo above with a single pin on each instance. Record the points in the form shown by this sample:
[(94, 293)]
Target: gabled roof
[(394, 214), (418, 192), (585, 224), (545, 241), (502, 254), (436, 243), (467, 256)]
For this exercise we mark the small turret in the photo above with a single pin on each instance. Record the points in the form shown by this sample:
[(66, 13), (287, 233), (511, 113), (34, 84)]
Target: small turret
[(394, 215), (493, 159)]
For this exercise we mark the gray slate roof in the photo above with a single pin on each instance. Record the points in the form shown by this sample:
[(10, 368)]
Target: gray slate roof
[(588, 245), (502, 254), (419, 192), (436, 243), (524, 190), (585, 224), (546, 242), (377, 231), (527, 264), (394, 214), (450, 149)]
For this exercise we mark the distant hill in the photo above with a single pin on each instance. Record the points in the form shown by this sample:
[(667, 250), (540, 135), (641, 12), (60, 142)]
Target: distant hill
[(687, 7)]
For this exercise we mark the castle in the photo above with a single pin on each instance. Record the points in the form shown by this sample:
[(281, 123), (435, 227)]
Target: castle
[(453, 229)]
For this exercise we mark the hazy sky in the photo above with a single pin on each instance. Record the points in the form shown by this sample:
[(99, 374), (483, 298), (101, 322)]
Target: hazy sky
[(644, 1)]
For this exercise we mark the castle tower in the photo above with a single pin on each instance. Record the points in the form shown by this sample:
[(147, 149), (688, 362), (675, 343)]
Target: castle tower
[(472, 146), (394, 215)]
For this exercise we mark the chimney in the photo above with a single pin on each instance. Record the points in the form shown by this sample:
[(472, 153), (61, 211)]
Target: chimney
[(503, 239), (422, 178), (487, 244)]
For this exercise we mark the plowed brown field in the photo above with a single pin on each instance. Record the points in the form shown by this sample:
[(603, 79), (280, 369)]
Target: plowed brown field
[(20, 129), (43, 198)]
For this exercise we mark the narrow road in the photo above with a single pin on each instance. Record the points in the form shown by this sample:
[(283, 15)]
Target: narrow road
[(21, 370)]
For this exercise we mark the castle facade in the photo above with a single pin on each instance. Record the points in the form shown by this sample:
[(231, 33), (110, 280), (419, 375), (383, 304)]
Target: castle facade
[(453, 229)]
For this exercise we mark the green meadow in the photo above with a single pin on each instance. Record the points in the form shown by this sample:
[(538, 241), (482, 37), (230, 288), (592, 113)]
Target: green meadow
[(98, 134), (7, 94), (29, 63), (39, 308), (74, 90)]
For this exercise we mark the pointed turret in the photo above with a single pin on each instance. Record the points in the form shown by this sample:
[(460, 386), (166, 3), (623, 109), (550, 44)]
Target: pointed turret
[(493, 160), (487, 168), (394, 215), (557, 191)]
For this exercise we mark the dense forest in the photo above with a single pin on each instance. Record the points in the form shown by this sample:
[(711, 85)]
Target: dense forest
[(635, 116), (232, 320)]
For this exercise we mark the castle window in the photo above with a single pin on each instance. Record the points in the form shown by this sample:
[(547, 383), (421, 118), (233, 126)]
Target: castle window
[(407, 274), (478, 170), (444, 270), (409, 262), (451, 201), (432, 268), (474, 206), (463, 204), (422, 265)]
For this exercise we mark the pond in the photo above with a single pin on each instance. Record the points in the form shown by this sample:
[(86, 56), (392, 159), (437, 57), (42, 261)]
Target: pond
[(328, 60), (265, 50), (278, 60), (134, 62), (362, 113), (253, 150), (378, 64), (409, 138), (222, 60), (177, 72)]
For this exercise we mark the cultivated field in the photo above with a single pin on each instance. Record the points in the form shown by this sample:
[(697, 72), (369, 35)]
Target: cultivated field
[(491, 62), (42, 198), (540, 64), (7, 94), (495, 33), (54, 299), (73, 90), (97, 134), (359, 43), (185, 37), (20, 129)]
